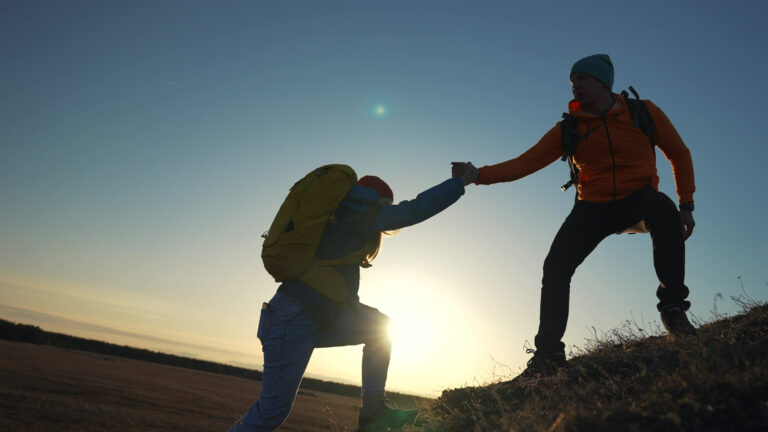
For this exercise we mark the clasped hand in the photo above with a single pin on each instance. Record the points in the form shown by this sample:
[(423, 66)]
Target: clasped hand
[(465, 171)]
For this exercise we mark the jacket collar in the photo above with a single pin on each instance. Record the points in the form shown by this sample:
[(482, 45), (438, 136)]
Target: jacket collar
[(575, 109)]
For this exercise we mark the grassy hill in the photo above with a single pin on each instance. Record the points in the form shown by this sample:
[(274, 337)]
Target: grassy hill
[(625, 381)]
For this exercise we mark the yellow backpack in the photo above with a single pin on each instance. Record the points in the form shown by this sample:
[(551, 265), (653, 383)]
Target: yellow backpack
[(290, 245)]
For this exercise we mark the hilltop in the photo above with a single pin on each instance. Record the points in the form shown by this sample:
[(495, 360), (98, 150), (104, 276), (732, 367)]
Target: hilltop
[(625, 381)]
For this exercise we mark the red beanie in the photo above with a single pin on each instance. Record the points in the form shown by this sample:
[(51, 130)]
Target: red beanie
[(378, 185)]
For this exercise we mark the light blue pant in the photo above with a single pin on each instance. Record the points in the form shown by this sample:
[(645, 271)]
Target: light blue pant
[(288, 336)]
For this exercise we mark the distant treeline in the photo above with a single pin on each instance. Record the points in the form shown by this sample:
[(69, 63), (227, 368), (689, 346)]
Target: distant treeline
[(33, 334)]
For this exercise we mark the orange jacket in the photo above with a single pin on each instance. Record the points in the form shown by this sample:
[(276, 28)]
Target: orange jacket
[(614, 160)]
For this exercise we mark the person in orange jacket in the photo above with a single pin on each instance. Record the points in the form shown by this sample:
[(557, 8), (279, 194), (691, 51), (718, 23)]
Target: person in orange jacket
[(617, 188)]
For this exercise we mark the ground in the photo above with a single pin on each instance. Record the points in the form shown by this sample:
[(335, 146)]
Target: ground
[(44, 388)]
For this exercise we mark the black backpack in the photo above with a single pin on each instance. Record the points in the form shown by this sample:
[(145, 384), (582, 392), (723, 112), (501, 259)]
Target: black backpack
[(570, 132)]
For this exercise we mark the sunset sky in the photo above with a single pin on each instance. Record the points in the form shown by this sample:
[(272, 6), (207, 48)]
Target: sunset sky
[(145, 147)]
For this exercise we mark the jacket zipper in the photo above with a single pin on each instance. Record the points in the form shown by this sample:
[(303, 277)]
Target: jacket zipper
[(613, 158)]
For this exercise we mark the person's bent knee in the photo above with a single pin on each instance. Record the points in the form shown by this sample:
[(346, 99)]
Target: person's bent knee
[(384, 329), (378, 321), (379, 333), (659, 205)]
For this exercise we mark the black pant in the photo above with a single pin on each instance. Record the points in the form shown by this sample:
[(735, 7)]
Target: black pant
[(583, 229)]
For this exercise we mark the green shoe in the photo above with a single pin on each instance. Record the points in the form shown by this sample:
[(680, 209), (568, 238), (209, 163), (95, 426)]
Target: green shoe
[(383, 418)]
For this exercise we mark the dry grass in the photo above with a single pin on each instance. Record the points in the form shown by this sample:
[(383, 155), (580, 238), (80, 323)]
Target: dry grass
[(626, 381), (43, 388)]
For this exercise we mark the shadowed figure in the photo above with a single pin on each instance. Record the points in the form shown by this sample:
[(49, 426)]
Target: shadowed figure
[(303, 316), (609, 142)]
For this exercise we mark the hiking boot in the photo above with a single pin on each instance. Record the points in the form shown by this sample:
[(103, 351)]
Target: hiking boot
[(382, 417), (676, 323), (542, 364)]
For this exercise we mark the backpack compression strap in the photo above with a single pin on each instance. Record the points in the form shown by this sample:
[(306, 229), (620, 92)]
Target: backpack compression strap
[(569, 126)]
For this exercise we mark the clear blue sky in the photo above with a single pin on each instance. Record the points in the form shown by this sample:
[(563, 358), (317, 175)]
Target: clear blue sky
[(145, 147)]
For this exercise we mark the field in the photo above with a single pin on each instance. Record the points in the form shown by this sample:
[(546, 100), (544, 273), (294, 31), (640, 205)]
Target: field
[(628, 379), (44, 388)]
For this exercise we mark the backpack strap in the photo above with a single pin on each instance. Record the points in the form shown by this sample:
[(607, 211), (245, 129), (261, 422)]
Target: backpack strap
[(640, 114), (569, 127)]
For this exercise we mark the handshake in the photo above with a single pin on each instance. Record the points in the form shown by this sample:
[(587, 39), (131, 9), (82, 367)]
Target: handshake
[(464, 170)]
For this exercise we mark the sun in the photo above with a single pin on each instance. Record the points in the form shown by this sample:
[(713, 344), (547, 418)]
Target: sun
[(434, 333), (414, 334), (422, 327)]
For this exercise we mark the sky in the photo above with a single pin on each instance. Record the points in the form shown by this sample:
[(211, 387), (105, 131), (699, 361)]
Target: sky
[(146, 146)]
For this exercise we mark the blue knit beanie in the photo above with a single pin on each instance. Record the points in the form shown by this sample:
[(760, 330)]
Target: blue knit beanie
[(598, 66)]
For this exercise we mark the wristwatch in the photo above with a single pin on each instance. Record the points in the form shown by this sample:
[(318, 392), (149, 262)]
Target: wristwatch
[(687, 206)]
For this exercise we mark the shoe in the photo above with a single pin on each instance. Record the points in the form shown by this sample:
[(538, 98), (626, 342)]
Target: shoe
[(382, 418), (542, 364), (676, 323)]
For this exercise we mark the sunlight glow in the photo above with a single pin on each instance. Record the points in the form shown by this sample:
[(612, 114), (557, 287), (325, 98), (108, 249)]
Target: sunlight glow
[(414, 333), (380, 111), (438, 338), (424, 327)]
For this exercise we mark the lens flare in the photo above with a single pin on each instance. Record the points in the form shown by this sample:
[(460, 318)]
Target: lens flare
[(380, 111)]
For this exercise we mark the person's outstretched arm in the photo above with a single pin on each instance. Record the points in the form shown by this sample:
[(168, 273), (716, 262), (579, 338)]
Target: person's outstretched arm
[(426, 204), (546, 151)]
